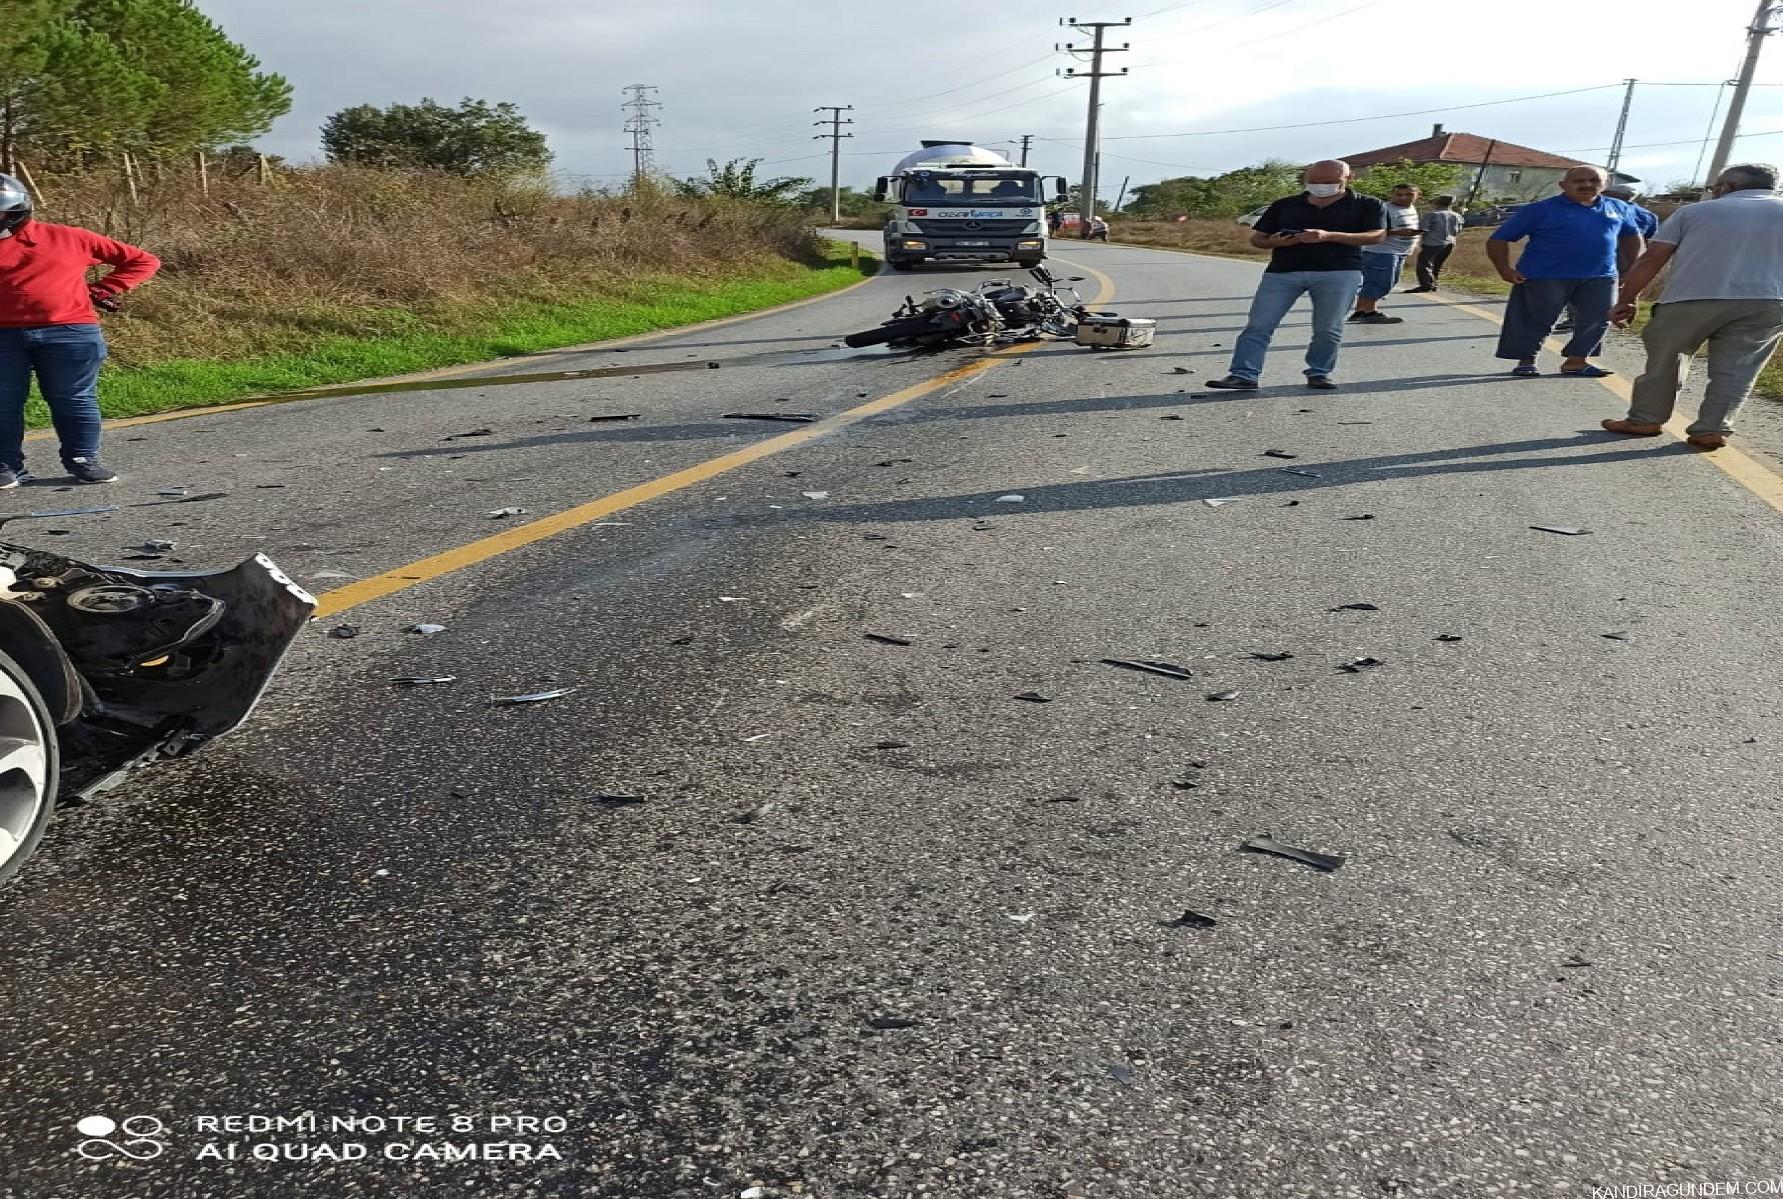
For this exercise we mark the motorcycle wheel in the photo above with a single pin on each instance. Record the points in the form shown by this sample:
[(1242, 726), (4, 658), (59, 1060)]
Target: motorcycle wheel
[(894, 331)]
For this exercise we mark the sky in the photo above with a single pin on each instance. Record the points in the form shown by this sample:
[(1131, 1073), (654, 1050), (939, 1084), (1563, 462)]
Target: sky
[(741, 79)]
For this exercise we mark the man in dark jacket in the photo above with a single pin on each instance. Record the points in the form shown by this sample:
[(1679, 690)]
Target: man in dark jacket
[(48, 328)]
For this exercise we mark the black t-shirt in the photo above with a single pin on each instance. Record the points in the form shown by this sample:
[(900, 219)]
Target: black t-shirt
[(1351, 213)]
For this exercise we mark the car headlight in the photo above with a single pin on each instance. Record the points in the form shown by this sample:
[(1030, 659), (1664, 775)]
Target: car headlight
[(1028, 245), (914, 245)]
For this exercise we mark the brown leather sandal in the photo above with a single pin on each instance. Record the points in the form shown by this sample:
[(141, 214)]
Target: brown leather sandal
[(1632, 428)]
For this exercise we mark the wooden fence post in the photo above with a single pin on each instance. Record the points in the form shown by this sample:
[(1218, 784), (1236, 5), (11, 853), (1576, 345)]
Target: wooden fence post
[(130, 176), (262, 169), (203, 171)]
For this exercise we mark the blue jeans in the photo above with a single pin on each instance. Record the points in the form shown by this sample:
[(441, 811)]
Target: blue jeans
[(1332, 293), (1535, 305), (65, 359), (1380, 272)]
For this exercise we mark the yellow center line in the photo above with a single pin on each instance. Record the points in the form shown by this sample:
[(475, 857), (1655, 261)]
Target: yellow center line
[(517, 536), (1743, 469)]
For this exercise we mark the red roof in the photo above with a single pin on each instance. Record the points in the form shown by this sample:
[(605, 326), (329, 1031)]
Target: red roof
[(1462, 147)]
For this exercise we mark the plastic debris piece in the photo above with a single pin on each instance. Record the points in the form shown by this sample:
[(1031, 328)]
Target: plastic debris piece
[(1279, 454), (153, 546), (617, 799), (500, 513), (534, 697), (1563, 530), (332, 574), (614, 416), (755, 1193), (757, 737), (890, 1022), (1269, 845), (1167, 669), (1121, 1073), (887, 639), (1220, 503), (1022, 917), (1292, 504), (1282, 656), (912, 594), (171, 491), (1172, 416), (472, 433), (1575, 962), (815, 495), (426, 630), (1358, 665), (1448, 636), (891, 745), (1222, 696), (1305, 474), (712, 366), (1618, 637), (1011, 499), (1364, 516), (796, 418), (1179, 370), (731, 599), (423, 680), (1356, 608), (1034, 697), (343, 632), (1058, 799), (754, 814), (1190, 919)]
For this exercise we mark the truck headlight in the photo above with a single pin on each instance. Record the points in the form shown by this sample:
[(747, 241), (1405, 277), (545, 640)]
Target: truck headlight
[(914, 245), (1029, 245)]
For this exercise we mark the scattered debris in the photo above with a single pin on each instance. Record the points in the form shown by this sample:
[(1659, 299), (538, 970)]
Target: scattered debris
[(757, 737), (344, 632), (1222, 696), (1575, 962), (422, 680), (1122, 1074), (1358, 665), (502, 513), (535, 697), (891, 745), (1563, 530), (1184, 784), (1364, 516), (1279, 454), (1167, 669), (1356, 608), (171, 491), (732, 599), (887, 639), (1022, 917), (815, 495), (712, 366), (796, 418), (1269, 845), (754, 814), (472, 433), (890, 1022), (1618, 637), (1221, 503), (1190, 919), (1034, 697), (332, 574), (1292, 504), (1011, 499), (614, 416), (1281, 656), (1172, 416), (1179, 370), (1305, 474), (157, 547), (617, 799), (1448, 636), (1059, 799)]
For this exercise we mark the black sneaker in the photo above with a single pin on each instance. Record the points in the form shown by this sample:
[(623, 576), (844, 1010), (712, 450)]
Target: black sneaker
[(1416, 291), (1320, 383), (89, 470), (1232, 383), (10, 478), (1377, 318)]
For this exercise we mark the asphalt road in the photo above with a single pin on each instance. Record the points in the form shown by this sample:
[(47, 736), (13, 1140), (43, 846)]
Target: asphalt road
[(809, 965)]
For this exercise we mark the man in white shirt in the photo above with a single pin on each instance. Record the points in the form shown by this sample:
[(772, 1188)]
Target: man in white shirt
[(1726, 289), (1383, 263)]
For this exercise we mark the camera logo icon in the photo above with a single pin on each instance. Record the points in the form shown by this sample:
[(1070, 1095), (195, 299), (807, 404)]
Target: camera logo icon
[(140, 1138)]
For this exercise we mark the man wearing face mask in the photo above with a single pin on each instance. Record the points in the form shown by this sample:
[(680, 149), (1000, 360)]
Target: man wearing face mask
[(1578, 241), (1725, 289), (1315, 241)]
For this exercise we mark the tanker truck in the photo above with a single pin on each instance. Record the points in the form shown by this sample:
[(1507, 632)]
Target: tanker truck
[(954, 202)]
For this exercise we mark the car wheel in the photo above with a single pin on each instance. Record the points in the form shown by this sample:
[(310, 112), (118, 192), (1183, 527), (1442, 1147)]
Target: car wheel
[(27, 767)]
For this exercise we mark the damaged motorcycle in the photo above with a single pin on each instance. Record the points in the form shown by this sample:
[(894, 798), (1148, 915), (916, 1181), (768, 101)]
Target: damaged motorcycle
[(1001, 312)]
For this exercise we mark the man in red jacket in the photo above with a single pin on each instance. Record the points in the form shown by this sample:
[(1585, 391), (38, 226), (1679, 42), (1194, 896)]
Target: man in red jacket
[(48, 327)]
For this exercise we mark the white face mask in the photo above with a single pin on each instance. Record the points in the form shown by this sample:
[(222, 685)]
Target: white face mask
[(1323, 189)]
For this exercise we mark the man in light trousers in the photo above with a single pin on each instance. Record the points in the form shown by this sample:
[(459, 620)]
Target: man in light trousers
[(1726, 289), (1315, 241)]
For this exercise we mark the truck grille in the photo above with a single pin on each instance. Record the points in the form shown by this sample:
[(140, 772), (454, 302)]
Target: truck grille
[(985, 228)]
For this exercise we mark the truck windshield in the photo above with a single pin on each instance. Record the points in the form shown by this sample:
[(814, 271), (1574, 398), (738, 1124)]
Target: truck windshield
[(971, 189)]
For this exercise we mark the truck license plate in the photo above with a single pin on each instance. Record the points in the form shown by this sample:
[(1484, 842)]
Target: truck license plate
[(971, 243)]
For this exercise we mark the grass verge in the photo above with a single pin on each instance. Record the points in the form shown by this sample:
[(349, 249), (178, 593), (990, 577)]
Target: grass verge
[(452, 334)]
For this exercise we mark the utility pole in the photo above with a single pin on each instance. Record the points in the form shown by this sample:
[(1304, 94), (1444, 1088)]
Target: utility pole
[(1027, 140), (1093, 131), (1760, 29), (835, 122), (1621, 129), (639, 124)]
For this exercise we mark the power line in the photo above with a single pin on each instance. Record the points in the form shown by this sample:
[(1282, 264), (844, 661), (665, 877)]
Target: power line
[(835, 121), (639, 124)]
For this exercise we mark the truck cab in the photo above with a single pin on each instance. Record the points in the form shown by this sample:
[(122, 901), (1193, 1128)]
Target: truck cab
[(953, 202)]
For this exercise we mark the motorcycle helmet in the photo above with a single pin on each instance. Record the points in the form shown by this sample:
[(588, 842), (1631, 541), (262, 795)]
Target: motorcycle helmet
[(15, 203)]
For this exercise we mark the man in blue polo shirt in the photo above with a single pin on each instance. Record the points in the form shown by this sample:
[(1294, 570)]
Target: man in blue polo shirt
[(1578, 241)]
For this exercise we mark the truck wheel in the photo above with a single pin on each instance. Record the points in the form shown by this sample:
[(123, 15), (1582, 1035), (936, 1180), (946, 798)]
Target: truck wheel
[(27, 767)]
